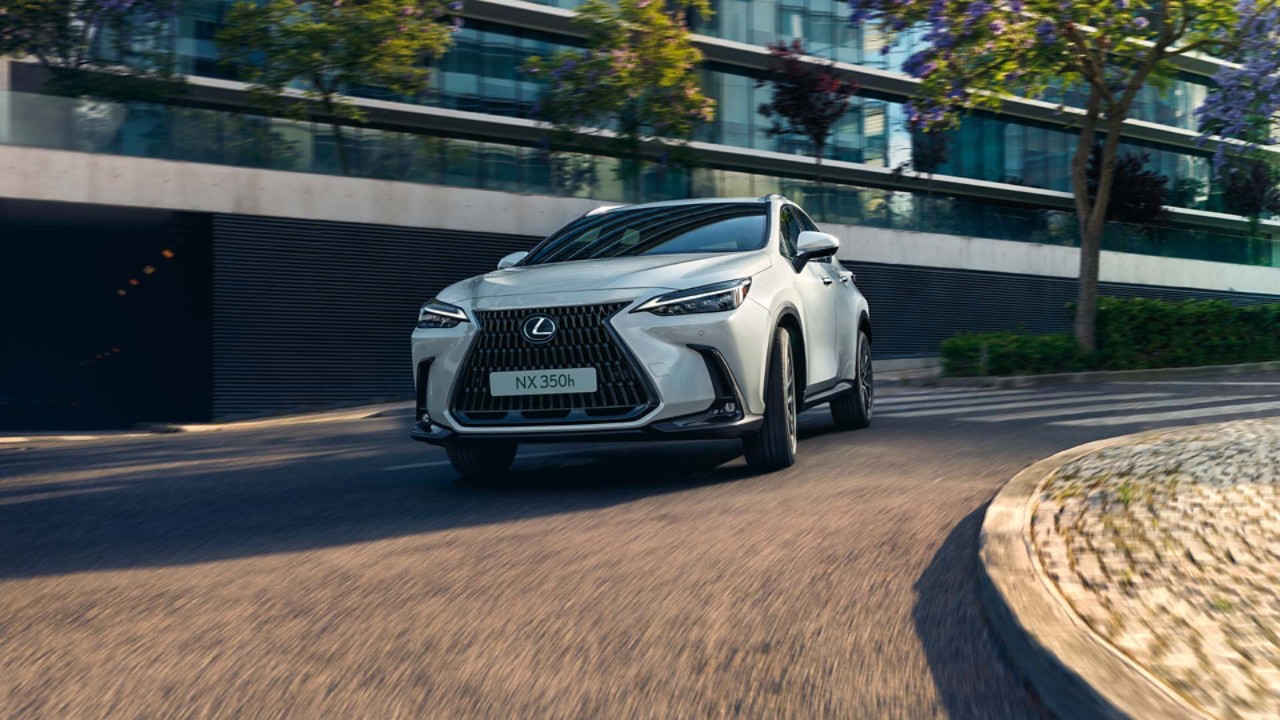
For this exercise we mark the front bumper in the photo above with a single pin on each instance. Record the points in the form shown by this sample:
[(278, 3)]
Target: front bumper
[(665, 430), (671, 352)]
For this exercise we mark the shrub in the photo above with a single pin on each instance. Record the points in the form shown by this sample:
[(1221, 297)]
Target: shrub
[(1132, 334), (1010, 354), (1142, 333)]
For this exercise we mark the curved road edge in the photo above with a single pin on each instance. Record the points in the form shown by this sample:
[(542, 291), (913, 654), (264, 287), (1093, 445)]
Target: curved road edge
[(1076, 672)]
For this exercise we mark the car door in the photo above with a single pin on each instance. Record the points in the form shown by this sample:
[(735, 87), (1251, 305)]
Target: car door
[(818, 285), (845, 332)]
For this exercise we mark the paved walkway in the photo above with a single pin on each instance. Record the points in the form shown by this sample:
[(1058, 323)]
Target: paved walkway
[(1171, 550)]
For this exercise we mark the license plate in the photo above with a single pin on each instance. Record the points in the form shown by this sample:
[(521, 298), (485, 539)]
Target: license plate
[(542, 382)]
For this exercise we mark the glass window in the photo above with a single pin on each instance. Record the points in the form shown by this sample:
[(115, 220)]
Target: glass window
[(666, 230), (734, 18), (788, 231)]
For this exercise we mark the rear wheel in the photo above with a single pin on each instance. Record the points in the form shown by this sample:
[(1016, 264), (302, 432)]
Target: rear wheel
[(853, 410), (481, 459), (773, 446)]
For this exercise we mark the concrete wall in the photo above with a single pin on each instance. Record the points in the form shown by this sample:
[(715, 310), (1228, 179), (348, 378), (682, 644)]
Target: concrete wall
[(901, 247), (39, 174), (64, 176)]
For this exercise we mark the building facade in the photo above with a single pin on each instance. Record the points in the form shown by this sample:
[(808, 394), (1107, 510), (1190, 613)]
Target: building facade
[(277, 284)]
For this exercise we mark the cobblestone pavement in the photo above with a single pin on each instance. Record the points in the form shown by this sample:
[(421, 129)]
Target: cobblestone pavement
[(1170, 548)]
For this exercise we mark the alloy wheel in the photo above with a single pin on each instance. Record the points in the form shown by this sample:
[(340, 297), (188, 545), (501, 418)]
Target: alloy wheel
[(865, 379), (789, 378)]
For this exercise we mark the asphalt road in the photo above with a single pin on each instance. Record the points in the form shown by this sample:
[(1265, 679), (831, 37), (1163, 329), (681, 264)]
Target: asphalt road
[(339, 570)]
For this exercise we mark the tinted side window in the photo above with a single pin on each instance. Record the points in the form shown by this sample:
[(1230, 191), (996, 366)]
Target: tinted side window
[(789, 231)]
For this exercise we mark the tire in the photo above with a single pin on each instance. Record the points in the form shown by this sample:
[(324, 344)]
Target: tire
[(481, 459), (773, 446), (853, 410)]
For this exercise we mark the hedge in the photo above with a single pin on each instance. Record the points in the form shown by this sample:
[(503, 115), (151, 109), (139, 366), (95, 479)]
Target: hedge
[(1132, 334)]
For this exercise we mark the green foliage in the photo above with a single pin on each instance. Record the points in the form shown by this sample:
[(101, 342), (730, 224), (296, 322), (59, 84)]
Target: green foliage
[(331, 47), (112, 49), (637, 76), (1143, 333), (1010, 354), (1132, 334)]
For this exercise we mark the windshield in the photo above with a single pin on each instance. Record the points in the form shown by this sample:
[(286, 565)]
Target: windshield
[(665, 230)]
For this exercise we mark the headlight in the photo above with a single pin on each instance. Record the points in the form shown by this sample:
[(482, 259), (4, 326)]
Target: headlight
[(708, 298), (436, 314)]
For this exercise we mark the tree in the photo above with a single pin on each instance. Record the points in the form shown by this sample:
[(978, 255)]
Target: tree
[(1186, 192), (809, 97), (1138, 195), (114, 49), (1251, 187), (637, 76), (977, 52), (332, 47)]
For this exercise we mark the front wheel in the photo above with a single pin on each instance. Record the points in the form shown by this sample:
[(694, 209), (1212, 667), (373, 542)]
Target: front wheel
[(853, 410), (481, 459), (773, 446)]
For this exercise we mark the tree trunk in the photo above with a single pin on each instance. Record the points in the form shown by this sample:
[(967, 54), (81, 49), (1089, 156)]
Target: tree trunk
[(1086, 321), (817, 182), (1087, 295), (335, 129), (343, 163), (1092, 227)]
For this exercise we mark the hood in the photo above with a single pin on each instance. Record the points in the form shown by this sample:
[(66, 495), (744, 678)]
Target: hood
[(669, 272)]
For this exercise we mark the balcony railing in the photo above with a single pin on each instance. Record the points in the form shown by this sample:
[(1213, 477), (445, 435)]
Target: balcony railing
[(246, 140)]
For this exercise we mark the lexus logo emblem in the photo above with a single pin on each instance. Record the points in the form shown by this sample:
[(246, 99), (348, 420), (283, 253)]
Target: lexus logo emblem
[(538, 328)]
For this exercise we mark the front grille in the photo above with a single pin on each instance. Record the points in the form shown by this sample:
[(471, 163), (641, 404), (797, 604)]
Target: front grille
[(583, 338)]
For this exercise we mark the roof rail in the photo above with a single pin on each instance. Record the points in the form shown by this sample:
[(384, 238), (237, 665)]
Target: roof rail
[(770, 196), (602, 209)]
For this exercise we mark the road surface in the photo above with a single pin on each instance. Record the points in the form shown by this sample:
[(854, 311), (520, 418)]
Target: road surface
[(339, 570)]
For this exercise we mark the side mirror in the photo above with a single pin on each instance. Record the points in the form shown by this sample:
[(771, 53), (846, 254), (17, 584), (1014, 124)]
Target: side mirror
[(812, 245), (512, 259)]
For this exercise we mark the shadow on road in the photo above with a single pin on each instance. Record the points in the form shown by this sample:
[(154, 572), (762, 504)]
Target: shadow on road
[(962, 653), (191, 500)]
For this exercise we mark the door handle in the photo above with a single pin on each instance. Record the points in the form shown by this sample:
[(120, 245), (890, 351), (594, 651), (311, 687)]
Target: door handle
[(827, 281), (845, 279)]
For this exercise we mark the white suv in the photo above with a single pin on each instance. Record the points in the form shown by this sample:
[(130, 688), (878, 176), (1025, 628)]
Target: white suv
[(691, 319)]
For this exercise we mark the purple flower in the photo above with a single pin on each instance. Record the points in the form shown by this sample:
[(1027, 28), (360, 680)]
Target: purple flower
[(1046, 31)]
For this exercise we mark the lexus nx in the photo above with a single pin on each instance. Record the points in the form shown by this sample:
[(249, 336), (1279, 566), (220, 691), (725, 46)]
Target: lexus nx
[(720, 318)]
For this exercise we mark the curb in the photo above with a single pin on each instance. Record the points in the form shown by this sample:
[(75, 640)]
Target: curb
[(1076, 672), (353, 413), (325, 416), (1092, 376)]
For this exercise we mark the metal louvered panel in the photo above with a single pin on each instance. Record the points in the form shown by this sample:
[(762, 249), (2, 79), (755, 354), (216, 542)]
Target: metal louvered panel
[(317, 314), (913, 309), (584, 339)]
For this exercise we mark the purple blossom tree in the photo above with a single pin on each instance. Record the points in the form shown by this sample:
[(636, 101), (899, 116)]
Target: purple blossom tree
[(116, 49), (976, 52)]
